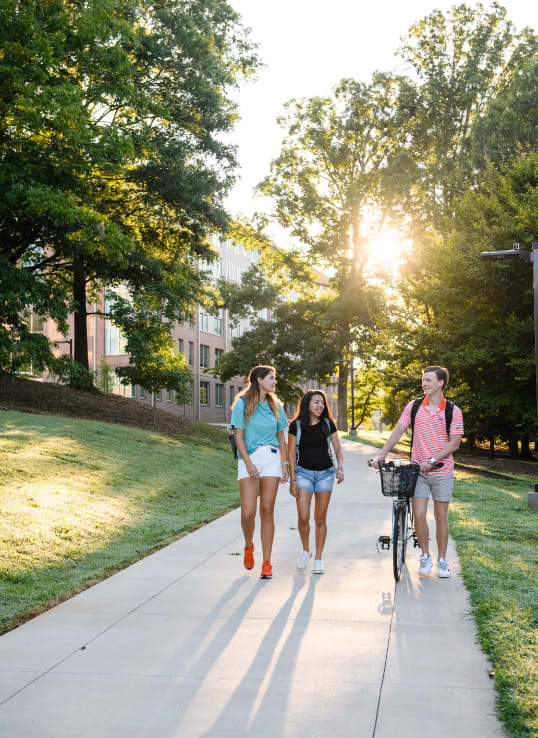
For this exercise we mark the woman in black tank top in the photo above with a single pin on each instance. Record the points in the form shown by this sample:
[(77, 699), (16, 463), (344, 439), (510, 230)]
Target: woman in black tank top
[(312, 433)]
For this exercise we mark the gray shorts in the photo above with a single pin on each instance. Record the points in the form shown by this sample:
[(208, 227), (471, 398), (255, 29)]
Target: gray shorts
[(440, 487)]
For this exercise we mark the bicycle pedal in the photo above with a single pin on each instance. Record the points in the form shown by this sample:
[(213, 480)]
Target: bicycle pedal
[(384, 541)]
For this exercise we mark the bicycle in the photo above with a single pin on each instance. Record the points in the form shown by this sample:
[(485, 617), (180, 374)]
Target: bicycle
[(399, 480)]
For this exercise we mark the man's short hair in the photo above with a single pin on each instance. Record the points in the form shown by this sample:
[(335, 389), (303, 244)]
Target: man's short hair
[(442, 373)]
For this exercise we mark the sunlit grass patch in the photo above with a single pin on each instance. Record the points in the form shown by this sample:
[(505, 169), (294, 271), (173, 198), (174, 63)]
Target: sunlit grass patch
[(496, 536), (79, 499)]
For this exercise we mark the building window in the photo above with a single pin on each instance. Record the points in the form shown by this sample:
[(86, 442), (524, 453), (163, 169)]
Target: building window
[(142, 393), (114, 340), (204, 393), (190, 320), (232, 271), (204, 322), (158, 395), (217, 326), (124, 390), (219, 395), (190, 395), (180, 345), (170, 396), (191, 353), (204, 356), (232, 394), (34, 322), (219, 353), (133, 390)]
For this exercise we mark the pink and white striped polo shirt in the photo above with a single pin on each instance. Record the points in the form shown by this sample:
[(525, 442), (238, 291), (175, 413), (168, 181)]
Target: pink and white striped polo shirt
[(430, 433)]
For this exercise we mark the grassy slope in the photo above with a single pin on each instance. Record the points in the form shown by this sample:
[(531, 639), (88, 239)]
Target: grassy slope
[(79, 499)]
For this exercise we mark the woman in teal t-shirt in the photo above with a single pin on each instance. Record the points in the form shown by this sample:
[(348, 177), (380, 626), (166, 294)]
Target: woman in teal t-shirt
[(258, 422)]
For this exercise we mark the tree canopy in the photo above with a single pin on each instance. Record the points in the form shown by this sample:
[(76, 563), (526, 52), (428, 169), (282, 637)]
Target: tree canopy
[(112, 164)]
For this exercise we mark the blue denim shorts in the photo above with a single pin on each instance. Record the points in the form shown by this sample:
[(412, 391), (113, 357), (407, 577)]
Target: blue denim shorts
[(315, 481)]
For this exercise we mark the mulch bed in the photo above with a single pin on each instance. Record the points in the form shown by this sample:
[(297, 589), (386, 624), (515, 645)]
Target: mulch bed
[(46, 398)]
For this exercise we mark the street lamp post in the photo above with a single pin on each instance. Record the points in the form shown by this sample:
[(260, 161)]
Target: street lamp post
[(352, 431), (528, 256)]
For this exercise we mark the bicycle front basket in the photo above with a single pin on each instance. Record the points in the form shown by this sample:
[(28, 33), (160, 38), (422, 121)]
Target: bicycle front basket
[(399, 481)]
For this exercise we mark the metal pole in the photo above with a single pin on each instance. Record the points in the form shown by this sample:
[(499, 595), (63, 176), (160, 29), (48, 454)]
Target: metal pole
[(533, 496), (353, 431)]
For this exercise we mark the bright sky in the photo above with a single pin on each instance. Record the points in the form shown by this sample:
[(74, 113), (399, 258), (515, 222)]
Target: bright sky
[(307, 46)]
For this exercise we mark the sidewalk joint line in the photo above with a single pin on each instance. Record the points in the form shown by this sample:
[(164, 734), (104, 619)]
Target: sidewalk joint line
[(385, 663), (112, 625)]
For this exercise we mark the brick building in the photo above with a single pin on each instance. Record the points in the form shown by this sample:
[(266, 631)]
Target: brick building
[(202, 339)]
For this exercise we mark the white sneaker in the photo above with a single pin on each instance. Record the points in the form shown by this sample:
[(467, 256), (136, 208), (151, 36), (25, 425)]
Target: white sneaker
[(425, 565), (443, 572), (318, 567), (302, 561)]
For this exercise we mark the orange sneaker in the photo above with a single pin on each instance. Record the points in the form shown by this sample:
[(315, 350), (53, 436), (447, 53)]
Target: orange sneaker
[(267, 570), (248, 559)]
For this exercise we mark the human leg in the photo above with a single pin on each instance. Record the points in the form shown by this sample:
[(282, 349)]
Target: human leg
[(249, 490), (440, 511), (321, 504), (268, 491), (420, 508), (304, 500)]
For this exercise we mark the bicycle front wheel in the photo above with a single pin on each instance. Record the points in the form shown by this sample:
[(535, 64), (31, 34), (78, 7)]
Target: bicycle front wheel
[(399, 539)]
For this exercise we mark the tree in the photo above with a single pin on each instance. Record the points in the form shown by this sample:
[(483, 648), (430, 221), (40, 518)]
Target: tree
[(154, 362), (460, 60), (327, 185), (290, 342), (509, 125), (476, 317), (111, 121)]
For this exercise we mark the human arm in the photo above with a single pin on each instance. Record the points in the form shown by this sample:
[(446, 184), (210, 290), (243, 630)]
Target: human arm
[(283, 459), (391, 441), (292, 455), (239, 437), (335, 440)]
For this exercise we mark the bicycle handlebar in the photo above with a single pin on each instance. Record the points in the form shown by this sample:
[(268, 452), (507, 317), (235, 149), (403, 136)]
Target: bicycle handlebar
[(370, 463)]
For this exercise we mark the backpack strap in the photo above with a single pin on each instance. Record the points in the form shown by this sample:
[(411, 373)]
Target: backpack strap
[(231, 436), (449, 412), (414, 410)]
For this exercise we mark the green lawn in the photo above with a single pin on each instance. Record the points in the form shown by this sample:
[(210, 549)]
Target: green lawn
[(496, 536), (80, 499)]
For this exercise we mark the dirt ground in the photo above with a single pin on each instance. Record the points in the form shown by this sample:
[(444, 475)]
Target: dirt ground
[(45, 398)]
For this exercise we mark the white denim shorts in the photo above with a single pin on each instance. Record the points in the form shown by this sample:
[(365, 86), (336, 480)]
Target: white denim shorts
[(267, 461)]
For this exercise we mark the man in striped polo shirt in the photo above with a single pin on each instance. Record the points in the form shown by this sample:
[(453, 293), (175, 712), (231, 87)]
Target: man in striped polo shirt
[(431, 444)]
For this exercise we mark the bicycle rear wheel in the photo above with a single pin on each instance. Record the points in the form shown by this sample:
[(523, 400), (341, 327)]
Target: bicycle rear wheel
[(399, 539)]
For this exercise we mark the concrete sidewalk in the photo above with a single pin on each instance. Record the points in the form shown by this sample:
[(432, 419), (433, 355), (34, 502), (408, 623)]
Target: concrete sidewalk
[(187, 643)]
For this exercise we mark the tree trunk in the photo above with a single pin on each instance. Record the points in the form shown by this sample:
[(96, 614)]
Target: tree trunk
[(526, 449), (491, 448), (513, 446), (470, 441), (80, 315), (342, 398)]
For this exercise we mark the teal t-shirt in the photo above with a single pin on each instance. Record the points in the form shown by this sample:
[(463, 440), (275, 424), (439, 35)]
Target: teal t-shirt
[(262, 426)]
